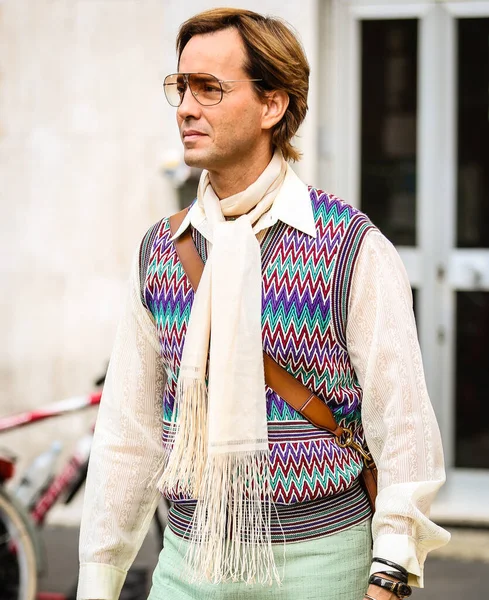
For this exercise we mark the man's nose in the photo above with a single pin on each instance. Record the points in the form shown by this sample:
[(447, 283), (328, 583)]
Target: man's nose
[(189, 106)]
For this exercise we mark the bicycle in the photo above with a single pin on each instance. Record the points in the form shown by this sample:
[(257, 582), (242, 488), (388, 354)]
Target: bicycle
[(21, 552), (22, 559)]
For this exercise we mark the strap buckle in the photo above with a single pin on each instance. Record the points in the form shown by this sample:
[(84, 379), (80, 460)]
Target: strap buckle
[(346, 440)]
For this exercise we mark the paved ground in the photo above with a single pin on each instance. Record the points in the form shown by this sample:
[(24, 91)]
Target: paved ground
[(61, 544), (458, 572)]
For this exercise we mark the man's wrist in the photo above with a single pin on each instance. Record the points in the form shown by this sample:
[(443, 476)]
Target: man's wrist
[(395, 587), (378, 593)]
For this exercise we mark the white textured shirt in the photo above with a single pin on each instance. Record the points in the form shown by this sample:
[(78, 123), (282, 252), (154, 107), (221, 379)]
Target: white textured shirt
[(397, 416)]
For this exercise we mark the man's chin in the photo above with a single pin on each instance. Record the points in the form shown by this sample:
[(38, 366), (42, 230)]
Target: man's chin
[(195, 158)]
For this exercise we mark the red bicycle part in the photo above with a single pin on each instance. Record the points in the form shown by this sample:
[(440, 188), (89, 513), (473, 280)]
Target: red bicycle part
[(7, 469), (50, 410)]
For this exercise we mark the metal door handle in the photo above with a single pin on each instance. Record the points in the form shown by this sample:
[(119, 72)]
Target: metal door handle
[(477, 277)]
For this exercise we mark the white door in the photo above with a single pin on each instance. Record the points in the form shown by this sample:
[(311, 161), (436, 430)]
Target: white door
[(412, 114)]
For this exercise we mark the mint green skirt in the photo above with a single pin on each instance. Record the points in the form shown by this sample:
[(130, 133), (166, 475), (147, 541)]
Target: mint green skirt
[(334, 567)]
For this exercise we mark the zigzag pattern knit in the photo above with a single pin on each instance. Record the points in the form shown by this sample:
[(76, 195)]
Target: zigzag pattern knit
[(304, 310)]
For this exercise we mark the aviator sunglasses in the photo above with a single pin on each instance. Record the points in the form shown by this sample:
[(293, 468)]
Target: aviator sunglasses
[(204, 87)]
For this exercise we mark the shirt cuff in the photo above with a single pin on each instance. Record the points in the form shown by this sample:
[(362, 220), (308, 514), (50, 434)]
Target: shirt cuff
[(400, 549), (98, 581)]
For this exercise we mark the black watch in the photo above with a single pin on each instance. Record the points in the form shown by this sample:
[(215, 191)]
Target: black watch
[(400, 589)]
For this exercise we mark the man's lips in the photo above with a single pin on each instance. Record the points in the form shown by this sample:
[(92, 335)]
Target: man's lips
[(192, 134)]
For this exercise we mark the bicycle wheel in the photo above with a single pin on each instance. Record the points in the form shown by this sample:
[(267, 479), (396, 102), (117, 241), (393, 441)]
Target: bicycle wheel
[(18, 565)]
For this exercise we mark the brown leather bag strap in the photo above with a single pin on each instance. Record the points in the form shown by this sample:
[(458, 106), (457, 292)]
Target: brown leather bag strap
[(187, 252), (281, 381)]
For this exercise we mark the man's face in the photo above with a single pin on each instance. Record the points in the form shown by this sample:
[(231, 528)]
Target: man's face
[(229, 133)]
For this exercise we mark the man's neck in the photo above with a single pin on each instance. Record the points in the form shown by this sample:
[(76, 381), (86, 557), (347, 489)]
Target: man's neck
[(235, 179)]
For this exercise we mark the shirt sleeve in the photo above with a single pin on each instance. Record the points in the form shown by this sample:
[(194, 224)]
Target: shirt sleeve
[(399, 422), (126, 456)]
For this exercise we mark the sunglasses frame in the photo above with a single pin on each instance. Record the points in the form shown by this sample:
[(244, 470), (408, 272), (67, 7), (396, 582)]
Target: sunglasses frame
[(195, 94)]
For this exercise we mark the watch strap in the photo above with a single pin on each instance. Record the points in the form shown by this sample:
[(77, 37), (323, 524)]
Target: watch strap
[(400, 589)]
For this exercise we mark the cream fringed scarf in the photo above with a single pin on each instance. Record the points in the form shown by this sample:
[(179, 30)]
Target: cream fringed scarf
[(220, 452)]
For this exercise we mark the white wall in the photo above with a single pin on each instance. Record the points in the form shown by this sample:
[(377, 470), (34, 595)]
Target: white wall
[(82, 135), (84, 128)]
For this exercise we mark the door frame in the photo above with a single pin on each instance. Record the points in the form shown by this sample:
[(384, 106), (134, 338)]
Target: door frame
[(435, 266)]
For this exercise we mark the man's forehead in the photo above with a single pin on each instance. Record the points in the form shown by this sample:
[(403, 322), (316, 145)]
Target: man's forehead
[(221, 53)]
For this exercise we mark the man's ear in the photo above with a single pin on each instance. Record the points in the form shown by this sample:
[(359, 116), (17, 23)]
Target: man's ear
[(275, 104)]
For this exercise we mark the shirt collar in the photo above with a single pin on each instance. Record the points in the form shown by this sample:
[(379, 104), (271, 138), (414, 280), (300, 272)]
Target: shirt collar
[(292, 206)]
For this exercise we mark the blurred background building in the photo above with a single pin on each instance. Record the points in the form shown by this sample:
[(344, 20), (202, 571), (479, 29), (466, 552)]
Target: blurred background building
[(90, 157)]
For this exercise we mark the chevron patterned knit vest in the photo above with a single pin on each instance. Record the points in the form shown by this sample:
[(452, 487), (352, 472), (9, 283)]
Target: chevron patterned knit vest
[(306, 284)]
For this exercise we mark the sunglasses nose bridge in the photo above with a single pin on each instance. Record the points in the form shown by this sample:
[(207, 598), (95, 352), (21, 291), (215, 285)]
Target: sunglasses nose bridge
[(187, 86)]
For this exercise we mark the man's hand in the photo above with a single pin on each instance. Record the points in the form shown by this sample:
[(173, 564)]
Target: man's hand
[(379, 593)]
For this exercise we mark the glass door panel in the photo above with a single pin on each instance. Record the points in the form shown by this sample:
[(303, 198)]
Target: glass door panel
[(389, 55), (473, 134), (472, 367)]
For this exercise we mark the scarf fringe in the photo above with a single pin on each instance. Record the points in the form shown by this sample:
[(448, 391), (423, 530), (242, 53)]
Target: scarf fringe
[(230, 537), (188, 441)]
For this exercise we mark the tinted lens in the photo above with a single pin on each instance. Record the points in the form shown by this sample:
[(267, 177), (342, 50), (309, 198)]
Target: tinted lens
[(174, 86), (205, 88)]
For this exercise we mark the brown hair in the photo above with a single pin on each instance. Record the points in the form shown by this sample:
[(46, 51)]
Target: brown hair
[(275, 56)]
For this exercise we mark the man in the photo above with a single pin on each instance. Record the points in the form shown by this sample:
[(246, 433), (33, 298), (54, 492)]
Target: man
[(264, 504)]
